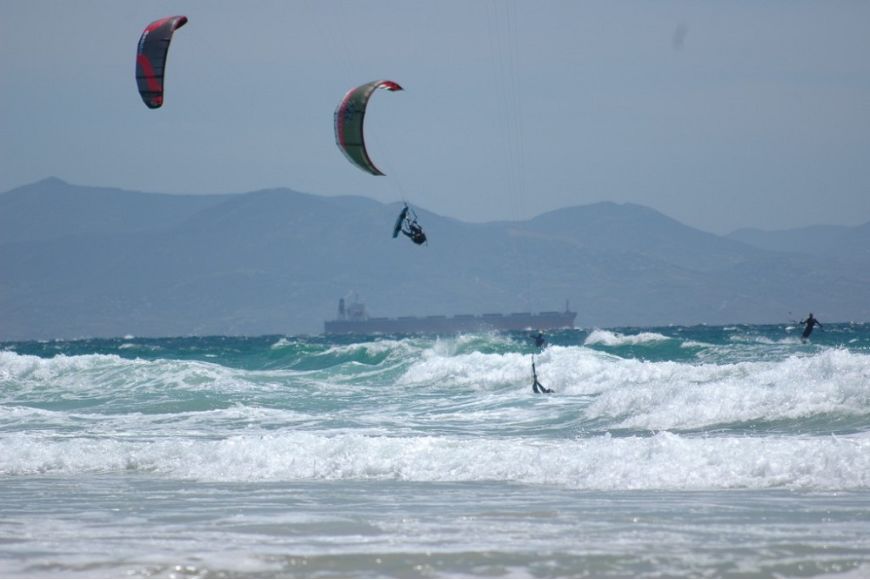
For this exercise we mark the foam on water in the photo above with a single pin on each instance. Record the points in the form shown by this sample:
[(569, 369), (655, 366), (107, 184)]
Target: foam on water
[(663, 461), (639, 394), (610, 338), (107, 376), (765, 340), (282, 342), (488, 394), (247, 454), (627, 393), (682, 396)]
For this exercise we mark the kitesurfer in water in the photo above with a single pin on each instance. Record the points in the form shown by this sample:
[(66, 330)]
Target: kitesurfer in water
[(537, 387), (810, 323), (540, 341)]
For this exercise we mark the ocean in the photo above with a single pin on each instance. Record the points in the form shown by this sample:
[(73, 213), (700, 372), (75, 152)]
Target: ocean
[(703, 451)]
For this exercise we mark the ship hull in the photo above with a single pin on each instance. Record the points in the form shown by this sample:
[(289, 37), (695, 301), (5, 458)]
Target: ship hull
[(453, 324)]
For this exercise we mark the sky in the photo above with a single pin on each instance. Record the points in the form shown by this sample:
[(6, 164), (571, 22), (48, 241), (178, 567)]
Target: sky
[(721, 115)]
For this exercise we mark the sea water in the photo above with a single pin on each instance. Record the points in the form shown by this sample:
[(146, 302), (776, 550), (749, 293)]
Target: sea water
[(679, 451)]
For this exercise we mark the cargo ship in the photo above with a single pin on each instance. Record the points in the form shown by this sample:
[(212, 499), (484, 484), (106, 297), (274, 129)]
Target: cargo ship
[(354, 319)]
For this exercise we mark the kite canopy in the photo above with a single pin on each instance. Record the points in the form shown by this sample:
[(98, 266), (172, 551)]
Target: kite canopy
[(151, 58), (349, 123)]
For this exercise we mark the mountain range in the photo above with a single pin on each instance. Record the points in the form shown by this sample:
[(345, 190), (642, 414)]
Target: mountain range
[(78, 261)]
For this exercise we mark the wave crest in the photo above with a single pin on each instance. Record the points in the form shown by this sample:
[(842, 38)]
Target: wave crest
[(611, 338), (665, 461)]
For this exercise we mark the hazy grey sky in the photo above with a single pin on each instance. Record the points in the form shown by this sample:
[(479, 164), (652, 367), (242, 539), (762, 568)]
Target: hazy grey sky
[(719, 114)]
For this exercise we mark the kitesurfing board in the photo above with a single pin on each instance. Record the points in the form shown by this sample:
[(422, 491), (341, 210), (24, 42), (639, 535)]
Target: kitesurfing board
[(399, 220)]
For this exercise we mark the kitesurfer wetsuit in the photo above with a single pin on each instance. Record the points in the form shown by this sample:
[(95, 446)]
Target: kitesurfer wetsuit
[(540, 341), (415, 232), (810, 324), (537, 385)]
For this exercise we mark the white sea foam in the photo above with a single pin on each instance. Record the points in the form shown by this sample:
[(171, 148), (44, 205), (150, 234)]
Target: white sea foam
[(610, 338), (744, 338), (98, 447), (136, 425), (281, 343), (695, 344), (625, 393), (662, 461), (672, 395), (463, 343), (636, 394), (61, 373), (483, 371), (374, 348), (97, 375)]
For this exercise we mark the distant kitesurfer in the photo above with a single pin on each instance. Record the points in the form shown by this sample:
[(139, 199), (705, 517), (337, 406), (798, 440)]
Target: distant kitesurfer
[(810, 323), (407, 224), (540, 341), (537, 387)]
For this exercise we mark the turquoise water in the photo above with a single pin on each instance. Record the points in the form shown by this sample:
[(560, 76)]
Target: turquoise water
[(674, 451)]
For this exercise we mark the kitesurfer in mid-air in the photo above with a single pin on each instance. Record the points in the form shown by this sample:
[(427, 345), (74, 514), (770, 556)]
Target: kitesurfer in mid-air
[(407, 224), (415, 232), (537, 387), (810, 323)]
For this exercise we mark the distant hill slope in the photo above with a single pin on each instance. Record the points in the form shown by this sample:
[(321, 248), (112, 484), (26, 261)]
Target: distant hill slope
[(78, 261), (635, 228), (849, 244), (52, 208)]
